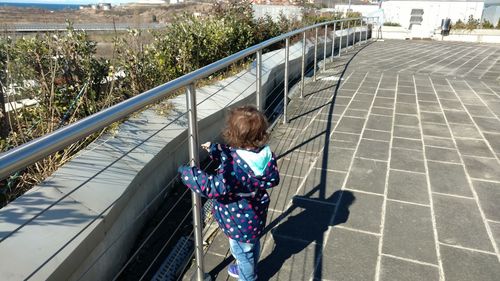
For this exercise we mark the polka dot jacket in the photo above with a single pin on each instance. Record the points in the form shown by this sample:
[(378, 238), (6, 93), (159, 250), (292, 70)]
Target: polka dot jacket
[(240, 197)]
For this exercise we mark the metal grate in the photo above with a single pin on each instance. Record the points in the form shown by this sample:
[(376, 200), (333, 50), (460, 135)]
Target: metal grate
[(175, 261)]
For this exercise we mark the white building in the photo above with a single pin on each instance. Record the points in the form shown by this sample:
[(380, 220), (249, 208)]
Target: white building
[(430, 12)]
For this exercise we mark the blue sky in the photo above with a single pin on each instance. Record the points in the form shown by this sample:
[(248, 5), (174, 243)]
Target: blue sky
[(66, 2)]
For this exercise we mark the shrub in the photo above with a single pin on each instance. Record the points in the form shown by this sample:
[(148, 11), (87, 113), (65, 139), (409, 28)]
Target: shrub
[(388, 23), (487, 25)]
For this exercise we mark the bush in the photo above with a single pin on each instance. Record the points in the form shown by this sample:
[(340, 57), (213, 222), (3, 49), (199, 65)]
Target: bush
[(388, 23), (487, 25)]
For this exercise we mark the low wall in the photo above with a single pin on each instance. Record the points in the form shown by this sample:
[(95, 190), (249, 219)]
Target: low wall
[(81, 222), (477, 35)]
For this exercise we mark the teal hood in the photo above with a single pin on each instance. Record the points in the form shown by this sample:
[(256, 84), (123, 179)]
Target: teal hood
[(257, 161)]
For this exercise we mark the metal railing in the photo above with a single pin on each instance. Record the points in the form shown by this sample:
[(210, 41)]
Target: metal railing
[(33, 151)]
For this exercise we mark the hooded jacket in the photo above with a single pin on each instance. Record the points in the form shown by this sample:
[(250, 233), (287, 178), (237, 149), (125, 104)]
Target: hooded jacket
[(238, 189)]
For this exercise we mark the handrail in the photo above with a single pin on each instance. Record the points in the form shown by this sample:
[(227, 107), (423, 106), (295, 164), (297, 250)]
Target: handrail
[(35, 150), (29, 153)]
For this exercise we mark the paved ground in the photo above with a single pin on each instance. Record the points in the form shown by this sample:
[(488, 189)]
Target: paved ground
[(392, 175)]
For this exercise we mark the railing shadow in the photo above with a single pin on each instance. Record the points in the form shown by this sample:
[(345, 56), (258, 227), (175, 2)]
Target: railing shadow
[(308, 227), (315, 215)]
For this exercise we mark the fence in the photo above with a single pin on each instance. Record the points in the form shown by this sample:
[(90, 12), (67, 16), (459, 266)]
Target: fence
[(27, 154)]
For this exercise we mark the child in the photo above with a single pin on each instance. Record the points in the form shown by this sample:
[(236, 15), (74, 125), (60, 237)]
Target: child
[(247, 168)]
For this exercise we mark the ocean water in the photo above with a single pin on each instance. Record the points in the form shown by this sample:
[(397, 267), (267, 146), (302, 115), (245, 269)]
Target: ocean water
[(51, 7)]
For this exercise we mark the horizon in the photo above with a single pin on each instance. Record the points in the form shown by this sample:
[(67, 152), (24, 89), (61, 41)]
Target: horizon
[(62, 2)]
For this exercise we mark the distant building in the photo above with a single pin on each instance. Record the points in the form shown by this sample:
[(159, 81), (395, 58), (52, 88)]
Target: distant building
[(104, 6)]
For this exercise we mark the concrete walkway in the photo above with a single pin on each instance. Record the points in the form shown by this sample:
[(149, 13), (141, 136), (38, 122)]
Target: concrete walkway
[(392, 175)]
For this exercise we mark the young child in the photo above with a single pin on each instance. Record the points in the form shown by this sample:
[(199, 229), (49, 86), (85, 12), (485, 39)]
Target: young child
[(247, 168)]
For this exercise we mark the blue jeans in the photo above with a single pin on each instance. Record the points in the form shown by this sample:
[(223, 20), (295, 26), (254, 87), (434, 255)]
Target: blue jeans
[(247, 257)]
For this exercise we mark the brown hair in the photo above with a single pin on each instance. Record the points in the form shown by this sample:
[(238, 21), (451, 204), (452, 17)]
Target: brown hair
[(246, 127)]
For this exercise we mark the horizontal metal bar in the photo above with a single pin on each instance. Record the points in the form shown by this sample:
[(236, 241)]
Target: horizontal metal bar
[(35, 150)]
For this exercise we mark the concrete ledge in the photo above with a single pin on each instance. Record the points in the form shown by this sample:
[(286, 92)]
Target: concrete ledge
[(81, 222)]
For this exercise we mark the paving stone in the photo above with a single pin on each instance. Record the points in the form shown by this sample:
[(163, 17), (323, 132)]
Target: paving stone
[(396, 270), (446, 95), (360, 105), (482, 168), (361, 211), (297, 224), (356, 113), (458, 117), (347, 249), (406, 120), (489, 196), (494, 141), (407, 143), (463, 265), (294, 167), (386, 93), (372, 149), (431, 97), (279, 262), (384, 102), (337, 159), (429, 106), (439, 142), (490, 125), (473, 148), (367, 175), (407, 132), (451, 104), (379, 122), (282, 194), (322, 184), (382, 111), (406, 222), (344, 140), (465, 131), (406, 108), (458, 222), (407, 186), (442, 154), (432, 117), (448, 178), (406, 98), (377, 135), (495, 229), (436, 130), (350, 125), (408, 160), (478, 110)]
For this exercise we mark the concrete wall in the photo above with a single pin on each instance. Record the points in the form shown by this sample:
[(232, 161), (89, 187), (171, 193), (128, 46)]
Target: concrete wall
[(81, 222), (477, 35)]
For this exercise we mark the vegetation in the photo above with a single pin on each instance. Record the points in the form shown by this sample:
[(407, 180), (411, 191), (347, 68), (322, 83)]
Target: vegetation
[(388, 23), (63, 73), (473, 23)]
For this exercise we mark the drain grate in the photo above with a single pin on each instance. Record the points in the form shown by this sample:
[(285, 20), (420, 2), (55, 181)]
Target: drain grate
[(175, 261)]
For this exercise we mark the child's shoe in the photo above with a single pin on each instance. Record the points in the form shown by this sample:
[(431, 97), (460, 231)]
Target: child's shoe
[(232, 270)]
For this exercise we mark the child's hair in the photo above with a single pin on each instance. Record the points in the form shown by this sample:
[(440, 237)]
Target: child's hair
[(246, 127)]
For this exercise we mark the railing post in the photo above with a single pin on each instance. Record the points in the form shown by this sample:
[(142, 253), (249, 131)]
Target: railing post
[(333, 40), (303, 64), (324, 47), (258, 81), (348, 34), (366, 32), (360, 30), (285, 101), (194, 161), (341, 35), (315, 53)]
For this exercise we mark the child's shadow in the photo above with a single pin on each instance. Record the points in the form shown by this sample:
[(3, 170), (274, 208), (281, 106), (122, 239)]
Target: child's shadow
[(298, 232)]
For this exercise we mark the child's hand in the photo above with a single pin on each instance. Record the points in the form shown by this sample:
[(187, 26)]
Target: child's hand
[(206, 146)]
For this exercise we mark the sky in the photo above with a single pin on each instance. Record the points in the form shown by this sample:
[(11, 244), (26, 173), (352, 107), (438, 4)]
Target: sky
[(67, 2)]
